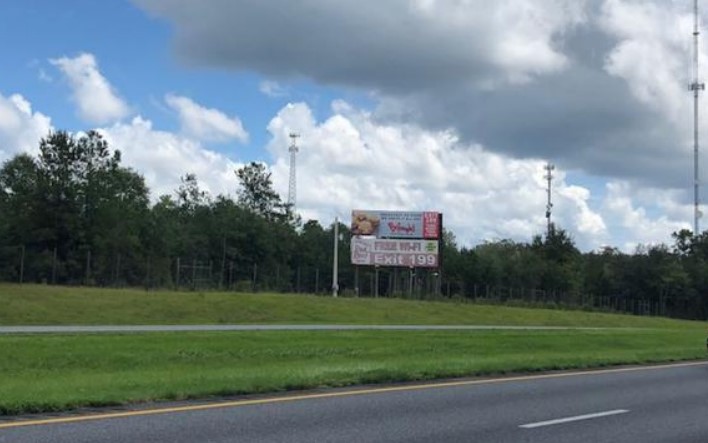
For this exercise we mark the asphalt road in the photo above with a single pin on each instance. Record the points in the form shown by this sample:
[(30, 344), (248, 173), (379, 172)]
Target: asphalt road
[(651, 404), (95, 329)]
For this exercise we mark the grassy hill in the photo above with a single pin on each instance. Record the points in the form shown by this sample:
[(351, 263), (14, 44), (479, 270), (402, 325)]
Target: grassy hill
[(52, 305)]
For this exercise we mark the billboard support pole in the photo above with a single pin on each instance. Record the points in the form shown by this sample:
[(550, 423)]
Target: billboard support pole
[(335, 261)]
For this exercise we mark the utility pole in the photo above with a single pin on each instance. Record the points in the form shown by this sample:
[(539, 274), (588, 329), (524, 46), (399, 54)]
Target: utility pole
[(292, 186), (696, 87), (335, 259), (549, 205)]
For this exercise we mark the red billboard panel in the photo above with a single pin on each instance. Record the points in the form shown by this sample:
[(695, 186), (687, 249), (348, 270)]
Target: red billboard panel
[(369, 251)]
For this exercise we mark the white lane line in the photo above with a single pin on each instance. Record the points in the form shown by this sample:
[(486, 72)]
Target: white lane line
[(571, 419)]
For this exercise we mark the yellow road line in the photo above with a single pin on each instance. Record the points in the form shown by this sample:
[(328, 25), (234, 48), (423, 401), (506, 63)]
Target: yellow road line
[(237, 403)]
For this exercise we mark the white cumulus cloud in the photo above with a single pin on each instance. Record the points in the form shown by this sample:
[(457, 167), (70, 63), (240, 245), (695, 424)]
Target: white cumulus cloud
[(272, 89), (652, 53), (20, 128), (163, 158), (206, 124), (643, 216), (96, 99)]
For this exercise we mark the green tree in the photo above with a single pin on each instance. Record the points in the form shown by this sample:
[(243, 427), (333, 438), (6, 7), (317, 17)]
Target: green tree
[(312, 256), (561, 261), (256, 192), (74, 198), (18, 202), (18, 198)]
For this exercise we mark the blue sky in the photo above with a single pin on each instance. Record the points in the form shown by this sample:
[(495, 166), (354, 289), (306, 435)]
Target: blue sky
[(134, 53), (405, 104), (127, 43)]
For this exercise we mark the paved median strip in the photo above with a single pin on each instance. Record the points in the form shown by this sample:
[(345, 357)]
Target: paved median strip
[(93, 329), (560, 421)]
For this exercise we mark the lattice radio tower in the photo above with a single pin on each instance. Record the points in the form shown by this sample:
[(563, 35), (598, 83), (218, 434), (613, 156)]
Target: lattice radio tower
[(292, 186), (696, 86), (549, 205)]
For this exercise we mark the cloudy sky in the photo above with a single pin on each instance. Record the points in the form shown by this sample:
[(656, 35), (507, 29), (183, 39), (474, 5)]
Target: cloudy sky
[(448, 105)]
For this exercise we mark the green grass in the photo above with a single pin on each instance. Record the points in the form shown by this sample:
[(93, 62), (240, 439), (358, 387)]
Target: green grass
[(48, 373), (57, 372), (51, 305)]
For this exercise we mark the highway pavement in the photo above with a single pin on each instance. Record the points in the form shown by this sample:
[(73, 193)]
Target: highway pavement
[(666, 403), (97, 329)]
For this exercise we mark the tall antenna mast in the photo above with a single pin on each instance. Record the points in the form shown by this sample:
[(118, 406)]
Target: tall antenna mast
[(696, 87), (549, 177), (293, 170)]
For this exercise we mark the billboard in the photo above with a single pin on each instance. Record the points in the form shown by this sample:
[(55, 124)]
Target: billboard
[(395, 252), (396, 224)]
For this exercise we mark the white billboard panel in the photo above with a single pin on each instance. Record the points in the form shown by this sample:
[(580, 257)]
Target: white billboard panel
[(389, 252)]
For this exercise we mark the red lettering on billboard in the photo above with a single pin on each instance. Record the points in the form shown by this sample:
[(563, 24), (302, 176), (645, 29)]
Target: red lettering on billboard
[(400, 228)]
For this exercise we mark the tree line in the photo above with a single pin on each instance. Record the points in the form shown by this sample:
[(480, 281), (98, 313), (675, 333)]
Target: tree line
[(74, 214)]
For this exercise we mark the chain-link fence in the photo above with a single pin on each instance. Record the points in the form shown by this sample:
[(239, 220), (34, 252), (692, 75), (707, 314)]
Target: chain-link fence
[(21, 264)]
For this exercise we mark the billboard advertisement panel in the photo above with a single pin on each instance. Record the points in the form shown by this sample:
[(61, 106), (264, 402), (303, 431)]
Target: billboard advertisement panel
[(396, 224), (390, 252)]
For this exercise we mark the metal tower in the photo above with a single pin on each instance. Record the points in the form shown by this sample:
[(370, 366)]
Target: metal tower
[(696, 87), (549, 177), (292, 187)]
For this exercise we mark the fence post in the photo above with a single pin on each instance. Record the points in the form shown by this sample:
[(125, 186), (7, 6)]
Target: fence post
[(194, 274), (88, 267), (663, 306), (317, 281), (255, 275), (117, 279), (410, 282), (356, 280), (22, 264), (177, 274), (147, 276), (211, 274), (231, 274), (54, 267), (391, 292), (223, 265)]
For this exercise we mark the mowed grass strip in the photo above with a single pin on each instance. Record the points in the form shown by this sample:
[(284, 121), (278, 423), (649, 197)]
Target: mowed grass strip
[(59, 372), (54, 305)]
